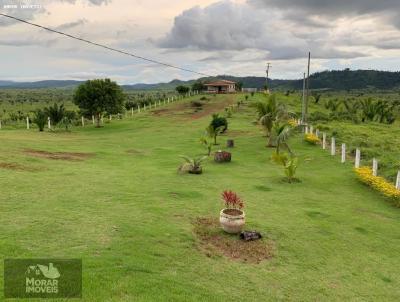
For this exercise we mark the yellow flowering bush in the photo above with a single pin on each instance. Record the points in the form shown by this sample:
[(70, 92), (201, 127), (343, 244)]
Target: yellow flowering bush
[(311, 138), (292, 123), (365, 175)]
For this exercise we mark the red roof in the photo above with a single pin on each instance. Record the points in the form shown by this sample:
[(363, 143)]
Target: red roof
[(220, 83)]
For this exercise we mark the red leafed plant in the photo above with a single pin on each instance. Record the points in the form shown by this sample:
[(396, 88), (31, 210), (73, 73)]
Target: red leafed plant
[(232, 200)]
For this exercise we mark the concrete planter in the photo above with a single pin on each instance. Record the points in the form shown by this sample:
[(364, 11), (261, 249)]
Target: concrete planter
[(223, 157), (232, 220)]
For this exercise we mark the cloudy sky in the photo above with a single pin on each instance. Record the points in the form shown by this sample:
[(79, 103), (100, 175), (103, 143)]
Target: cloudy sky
[(235, 37)]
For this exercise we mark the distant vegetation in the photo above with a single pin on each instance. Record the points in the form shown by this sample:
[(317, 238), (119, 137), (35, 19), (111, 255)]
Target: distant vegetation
[(335, 80)]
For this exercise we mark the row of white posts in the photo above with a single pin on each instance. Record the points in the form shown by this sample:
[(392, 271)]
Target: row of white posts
[(357, 162), (139, 109)]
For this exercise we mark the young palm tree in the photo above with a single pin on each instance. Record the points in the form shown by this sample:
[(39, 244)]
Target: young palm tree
[(282, 133), (40, 119), (214, 132), (269, 113)]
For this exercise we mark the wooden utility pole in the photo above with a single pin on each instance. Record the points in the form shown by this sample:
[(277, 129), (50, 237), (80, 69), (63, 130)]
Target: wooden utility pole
[(308, 89), (266, 82)]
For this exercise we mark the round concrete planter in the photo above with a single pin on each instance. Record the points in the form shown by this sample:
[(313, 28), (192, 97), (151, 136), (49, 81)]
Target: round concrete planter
[(232, 220), (222, 157)]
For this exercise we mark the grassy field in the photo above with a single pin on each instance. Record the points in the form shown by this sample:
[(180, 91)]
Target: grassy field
[(129, 215)]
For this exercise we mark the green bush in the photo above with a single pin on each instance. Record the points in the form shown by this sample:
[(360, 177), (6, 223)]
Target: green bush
[(218, 122)]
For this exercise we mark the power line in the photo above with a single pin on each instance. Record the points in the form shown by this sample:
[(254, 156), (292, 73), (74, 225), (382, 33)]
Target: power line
[(105, 46)]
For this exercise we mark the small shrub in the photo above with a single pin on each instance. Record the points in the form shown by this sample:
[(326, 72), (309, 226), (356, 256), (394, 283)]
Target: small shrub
[(229, 112), (219, 121), (289, 163), (365, 175), (292, 123), (196, 104), (311, 139)]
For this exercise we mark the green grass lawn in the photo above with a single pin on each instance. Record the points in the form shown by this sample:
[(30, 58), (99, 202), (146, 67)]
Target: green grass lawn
[(129, 215)]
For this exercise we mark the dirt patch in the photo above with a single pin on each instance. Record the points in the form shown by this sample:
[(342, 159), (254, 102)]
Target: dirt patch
[(187, 110), (213, 241), (70, 156), (17, 167)]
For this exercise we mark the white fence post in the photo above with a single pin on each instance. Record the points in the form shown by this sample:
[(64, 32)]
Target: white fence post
[(306, 129), (398, 181), (358, 158), (110, 117), (333, 147), (324, 141), (27, 122), (93, 119), (138, 109), (48, 123), (375, 167), (312, 129), (343, 153), (83, 121)]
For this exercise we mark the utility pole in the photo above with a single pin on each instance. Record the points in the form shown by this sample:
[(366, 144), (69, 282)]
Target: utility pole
[(303, 102), (307, 90), (266, 82)]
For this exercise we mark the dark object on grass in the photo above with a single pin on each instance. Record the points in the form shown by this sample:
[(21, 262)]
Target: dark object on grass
[(222, 157), (230, 143), (250, 235)]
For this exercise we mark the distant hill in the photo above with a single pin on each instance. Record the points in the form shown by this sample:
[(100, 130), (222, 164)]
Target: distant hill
[(335, 80), (40, 84), (350, 79)]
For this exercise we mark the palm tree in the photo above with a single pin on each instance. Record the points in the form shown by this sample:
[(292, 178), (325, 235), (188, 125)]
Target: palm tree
[(40, 119), (214, 132), (282, 133), (56, 113), (269, 113)]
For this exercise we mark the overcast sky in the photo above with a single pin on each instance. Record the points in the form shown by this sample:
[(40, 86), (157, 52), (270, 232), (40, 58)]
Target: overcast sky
[(235, 37)]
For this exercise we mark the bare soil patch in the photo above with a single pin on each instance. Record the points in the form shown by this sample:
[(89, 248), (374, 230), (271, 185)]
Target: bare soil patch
[(188, 110), (213, 241), (69, 156), (17, 167)]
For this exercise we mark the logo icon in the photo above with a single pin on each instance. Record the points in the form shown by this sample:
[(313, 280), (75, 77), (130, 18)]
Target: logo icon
[(50, 272)]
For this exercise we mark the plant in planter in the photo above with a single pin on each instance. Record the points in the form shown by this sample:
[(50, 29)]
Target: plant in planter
[(192, 165), (232, 217), (223, 157)]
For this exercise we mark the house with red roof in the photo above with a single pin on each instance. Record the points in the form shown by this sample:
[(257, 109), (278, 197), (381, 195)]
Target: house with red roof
[(221, 86)]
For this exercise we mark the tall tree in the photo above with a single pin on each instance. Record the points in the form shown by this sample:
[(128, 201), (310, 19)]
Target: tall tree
[(98, 97)]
